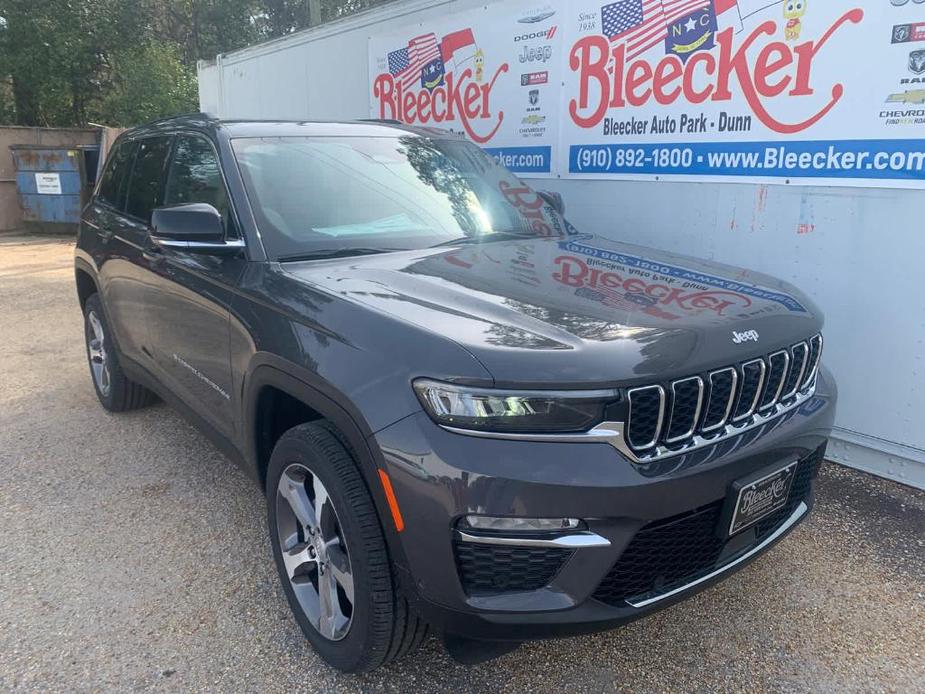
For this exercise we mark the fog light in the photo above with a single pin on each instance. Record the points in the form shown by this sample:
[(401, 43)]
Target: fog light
[(520, 525)]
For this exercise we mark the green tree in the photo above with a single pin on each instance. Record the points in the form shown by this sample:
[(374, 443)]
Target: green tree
[(146, 82), (67, 62)]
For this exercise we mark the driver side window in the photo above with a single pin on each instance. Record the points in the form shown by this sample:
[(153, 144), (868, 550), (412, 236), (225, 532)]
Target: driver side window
[(195, 176)]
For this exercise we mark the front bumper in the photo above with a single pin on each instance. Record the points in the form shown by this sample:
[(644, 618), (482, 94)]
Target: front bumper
[(439, 476)]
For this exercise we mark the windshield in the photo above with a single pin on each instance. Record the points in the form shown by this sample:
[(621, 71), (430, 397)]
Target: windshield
[(319, 195)]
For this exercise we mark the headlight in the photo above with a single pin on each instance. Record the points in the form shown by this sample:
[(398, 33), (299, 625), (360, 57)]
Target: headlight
[(486, 409)]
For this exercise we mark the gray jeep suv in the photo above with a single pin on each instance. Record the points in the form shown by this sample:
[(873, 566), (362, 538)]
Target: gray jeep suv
[(467, 415)]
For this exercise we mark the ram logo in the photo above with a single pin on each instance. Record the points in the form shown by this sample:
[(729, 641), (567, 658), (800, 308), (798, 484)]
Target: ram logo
[(745, 336)]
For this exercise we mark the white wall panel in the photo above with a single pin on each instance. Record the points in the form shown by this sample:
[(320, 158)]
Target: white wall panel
[(857, 252)]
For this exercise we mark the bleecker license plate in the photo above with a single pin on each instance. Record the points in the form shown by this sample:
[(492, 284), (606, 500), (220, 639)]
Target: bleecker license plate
[(760, 498)]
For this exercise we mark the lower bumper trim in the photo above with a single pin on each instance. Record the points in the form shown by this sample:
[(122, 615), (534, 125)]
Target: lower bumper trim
[(646, 600), (574, 541)]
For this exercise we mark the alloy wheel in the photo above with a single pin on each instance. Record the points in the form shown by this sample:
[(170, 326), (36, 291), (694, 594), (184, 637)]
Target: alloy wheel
[(99, 361), (314, 552)]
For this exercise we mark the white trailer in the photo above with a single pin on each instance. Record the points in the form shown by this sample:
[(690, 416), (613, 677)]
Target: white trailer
[(856, 250)]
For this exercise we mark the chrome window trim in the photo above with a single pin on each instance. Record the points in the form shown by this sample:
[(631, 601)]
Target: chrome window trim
[(783, 378), (661, 414), (799, 379), (572, 541), (759, 391), (674, 397), (649, 599), (230, 244), (729, 403)]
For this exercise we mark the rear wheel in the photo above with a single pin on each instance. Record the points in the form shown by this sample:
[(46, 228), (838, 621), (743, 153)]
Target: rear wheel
[(115, 391), (331, 553)]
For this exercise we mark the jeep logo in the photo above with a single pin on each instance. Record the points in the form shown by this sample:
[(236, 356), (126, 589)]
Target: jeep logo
[(746, 336)]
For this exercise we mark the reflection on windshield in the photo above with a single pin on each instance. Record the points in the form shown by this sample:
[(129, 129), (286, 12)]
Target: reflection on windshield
[(326, 193)]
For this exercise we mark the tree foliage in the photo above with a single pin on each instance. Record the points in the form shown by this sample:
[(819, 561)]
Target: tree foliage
[(121, 62)]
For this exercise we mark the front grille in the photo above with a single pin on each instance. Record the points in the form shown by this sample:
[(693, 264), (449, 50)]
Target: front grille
[(671, 553), (490, 569), (663, 419)]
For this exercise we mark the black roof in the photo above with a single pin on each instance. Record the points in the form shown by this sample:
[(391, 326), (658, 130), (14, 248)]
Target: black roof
[(284, 128)]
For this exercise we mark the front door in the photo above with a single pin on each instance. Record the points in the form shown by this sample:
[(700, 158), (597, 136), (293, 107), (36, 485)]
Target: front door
[(131, 182), (188, 315)]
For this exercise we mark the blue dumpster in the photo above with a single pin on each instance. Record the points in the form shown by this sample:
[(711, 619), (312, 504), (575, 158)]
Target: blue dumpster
[(51, 185)]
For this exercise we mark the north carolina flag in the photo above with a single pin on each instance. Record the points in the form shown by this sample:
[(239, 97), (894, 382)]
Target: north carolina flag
[(741, 9), (458, 49)]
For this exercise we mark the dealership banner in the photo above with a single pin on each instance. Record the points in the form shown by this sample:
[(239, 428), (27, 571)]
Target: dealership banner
[(777, 91), (492, 73)]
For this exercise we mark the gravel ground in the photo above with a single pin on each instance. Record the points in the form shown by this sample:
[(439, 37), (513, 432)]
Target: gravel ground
[(133, 555)]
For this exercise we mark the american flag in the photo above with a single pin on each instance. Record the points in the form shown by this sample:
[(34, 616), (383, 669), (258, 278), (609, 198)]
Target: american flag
[(406, 64), (641, 24)]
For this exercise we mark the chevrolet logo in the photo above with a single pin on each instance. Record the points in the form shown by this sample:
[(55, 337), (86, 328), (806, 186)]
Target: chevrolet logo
[(910, 96)]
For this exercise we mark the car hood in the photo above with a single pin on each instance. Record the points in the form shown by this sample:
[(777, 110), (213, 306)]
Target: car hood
[(576, 312)]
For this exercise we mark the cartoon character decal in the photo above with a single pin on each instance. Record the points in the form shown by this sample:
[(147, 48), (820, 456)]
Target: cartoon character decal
[(479, 65), (793, 13)]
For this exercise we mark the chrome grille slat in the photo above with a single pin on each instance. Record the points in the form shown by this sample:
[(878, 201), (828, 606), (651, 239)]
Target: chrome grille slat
[(635, 396), (686, 421), (718, 394), (748, 368), (729, 401), (778, 368), (815, 351), (799, 354)]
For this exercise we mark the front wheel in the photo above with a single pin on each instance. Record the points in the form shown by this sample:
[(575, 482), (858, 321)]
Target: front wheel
[(331, 553)]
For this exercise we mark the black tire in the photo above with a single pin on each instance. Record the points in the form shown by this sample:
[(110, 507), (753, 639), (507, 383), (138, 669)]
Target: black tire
[(117, 393), (382, 625)]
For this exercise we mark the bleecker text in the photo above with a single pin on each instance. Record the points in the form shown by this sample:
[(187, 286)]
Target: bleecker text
[(607, 81), (575, 272), (461, 97)]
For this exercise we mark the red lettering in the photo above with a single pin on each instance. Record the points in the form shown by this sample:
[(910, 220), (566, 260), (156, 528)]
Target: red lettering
[(666, 72), (638, 75), (409, 101), (766, 65), (471, 100), (606, 81), (591, 71), (424, 106), (384, 90), (807, 51), (690, 94)]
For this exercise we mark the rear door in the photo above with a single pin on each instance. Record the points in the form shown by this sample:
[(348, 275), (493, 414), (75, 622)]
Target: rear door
[(189, 318)]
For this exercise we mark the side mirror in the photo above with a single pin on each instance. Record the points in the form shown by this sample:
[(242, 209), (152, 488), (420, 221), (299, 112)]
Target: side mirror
[(196, 227), (555, 200)]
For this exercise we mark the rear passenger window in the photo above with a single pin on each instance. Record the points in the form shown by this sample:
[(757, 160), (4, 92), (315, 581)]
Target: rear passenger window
[(112, 185), (195, 176), (146, 183)]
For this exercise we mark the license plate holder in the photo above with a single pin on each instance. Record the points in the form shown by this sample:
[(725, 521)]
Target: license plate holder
[(757, 496)]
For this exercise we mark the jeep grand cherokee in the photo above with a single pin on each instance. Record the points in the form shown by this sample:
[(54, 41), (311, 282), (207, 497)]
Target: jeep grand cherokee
[(467, 415)]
